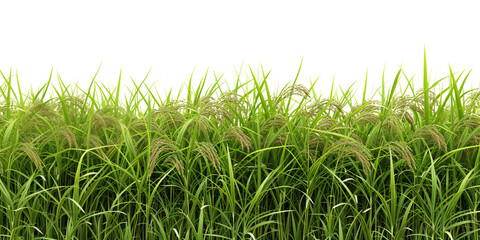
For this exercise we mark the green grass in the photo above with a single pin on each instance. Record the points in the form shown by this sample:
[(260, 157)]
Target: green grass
[(241, 162)]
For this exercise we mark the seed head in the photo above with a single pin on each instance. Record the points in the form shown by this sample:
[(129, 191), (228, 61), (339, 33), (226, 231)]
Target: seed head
[(158, 146), (320, 106), (431, 135), (209, 153), (237, 133), (401, 150), (31, 151), (345, 147)]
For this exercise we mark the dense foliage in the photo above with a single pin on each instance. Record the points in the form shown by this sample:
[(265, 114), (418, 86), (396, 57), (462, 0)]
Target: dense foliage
[(240, 162)]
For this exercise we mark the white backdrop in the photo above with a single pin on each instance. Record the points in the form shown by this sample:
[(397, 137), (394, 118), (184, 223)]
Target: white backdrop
[(335, 38)]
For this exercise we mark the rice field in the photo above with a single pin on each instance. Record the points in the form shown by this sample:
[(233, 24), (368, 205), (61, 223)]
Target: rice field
[(240, 162)]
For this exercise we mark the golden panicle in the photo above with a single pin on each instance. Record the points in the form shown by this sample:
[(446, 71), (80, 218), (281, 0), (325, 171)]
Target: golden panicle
[(169, 117), (30, 150), (470, 121), (104, 120), (327, 124), (4, 107), (96, 142), (63, 133), (112, 110), (371, 106), (237, 133), (98, 122), (72, 103), (230, 97), (417, 108), (315, 142), (391, 123), (419, 97), (69, 136), (401, 151), (170, 114), (139, 125), (474, 140), (365, 118), (158, 146), (204, 125), (205, 100), (209, 153), (403, 114), (431, 135), (276, 121), (356, 137), (473, 100), (208, 107), (220, 112), (294, 90), (345, 147), (232, 100), (176, 162), (176, 105), (319, 106), (44, 110), (38, 116), (403, 104), (366, 113)]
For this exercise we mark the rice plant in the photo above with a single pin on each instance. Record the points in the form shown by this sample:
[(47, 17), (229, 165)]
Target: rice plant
[(240, 163)]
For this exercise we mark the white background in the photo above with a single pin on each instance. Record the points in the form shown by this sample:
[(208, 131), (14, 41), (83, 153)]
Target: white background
[(335, 38)]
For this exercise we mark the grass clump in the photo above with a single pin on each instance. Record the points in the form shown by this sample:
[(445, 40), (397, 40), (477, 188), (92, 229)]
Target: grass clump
[(239, 163)]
